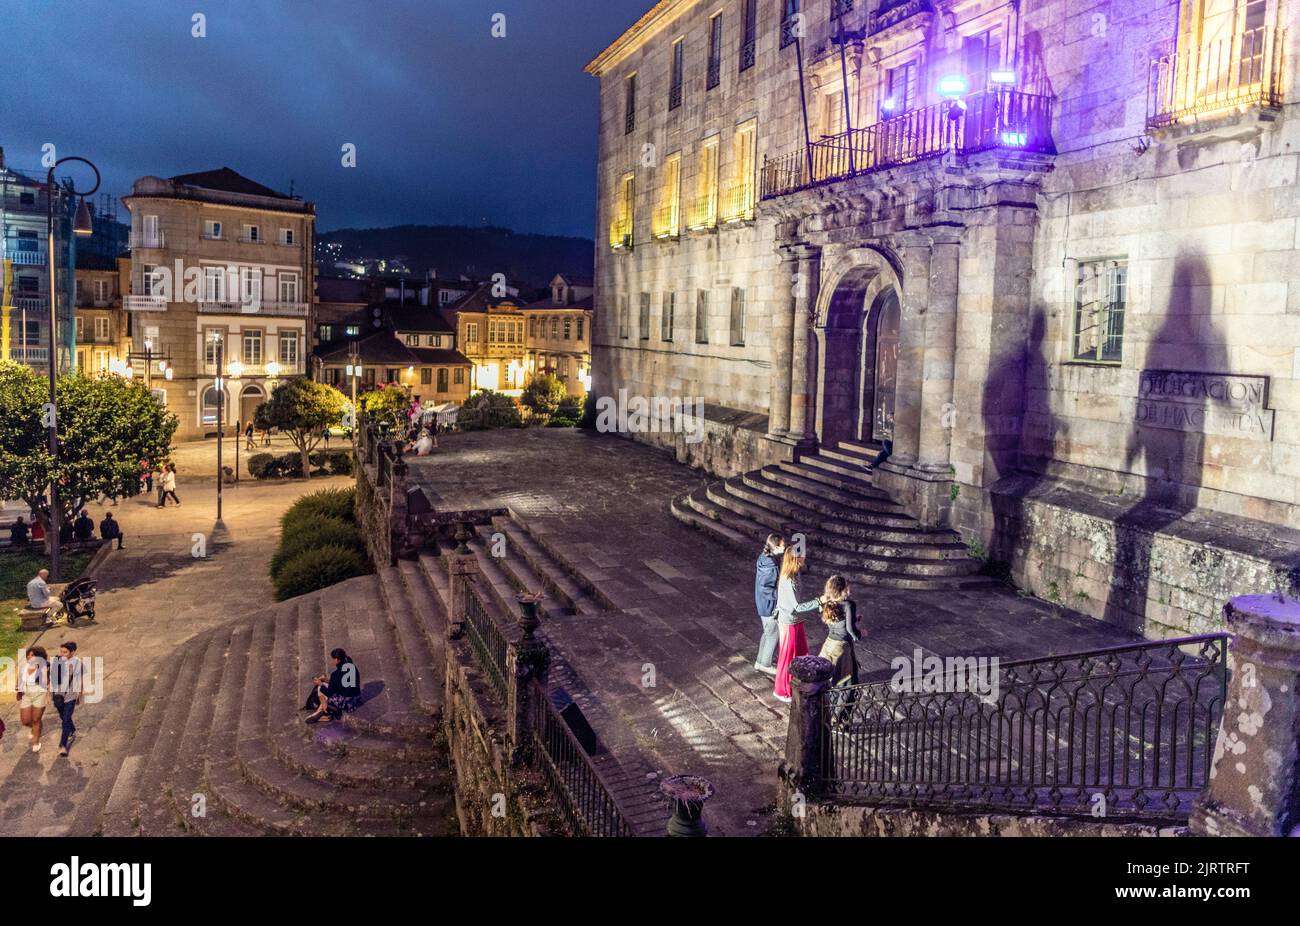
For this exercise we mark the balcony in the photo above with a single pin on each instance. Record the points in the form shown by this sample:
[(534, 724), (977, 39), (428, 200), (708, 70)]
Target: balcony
[(620, 232), (667, 222), (30, 354), (250, 239), (703, 212), (147, 240), (253, 307), (892, 12), (1234, 73), (737, 203), (26, 258), (1001, 118), (30, 304), (144, 303)]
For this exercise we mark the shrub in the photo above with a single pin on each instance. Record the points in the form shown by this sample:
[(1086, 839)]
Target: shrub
[(588, 420), (317, 568), (339, 462), (321, 532), (329, 503), (570, 407), (259, 464), (487, 409), (561, 423), (543, 395)]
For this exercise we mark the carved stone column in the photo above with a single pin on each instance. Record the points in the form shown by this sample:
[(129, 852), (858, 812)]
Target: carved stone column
[(783, 312), (913, 303), (939, 360), (803, 353)]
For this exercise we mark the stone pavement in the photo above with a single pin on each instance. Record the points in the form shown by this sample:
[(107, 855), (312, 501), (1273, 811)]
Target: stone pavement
[(153, 595), (685, 609)]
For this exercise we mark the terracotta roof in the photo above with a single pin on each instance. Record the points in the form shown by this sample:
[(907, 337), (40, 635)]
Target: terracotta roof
[(583, 303), (228, 181), (383, 347), (417, 318)]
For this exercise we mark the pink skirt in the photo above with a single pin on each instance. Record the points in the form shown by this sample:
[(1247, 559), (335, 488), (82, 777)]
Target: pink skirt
[(794, 643)]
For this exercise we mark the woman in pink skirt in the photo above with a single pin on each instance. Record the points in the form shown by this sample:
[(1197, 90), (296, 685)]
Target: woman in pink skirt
[(794, 641)]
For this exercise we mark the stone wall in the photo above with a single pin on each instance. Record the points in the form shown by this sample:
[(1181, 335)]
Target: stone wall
[(826, 819)]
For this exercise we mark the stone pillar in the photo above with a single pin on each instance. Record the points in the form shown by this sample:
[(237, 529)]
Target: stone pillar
[(526, 660), (939, 360), (462, 569), (783, 312), (810, 677), (803, 353), (913, 301), (1255, 781)]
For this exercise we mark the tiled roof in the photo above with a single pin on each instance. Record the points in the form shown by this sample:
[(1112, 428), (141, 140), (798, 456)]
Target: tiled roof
[(384, 348), (228, 181), (417, 318), (584, 303)]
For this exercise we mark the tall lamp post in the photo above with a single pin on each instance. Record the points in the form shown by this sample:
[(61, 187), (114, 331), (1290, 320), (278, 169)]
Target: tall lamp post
[(220, 386), (354, 370), (82, 226)]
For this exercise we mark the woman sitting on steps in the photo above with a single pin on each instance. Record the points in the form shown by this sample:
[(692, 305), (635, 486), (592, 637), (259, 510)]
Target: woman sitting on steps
[(341, 692)]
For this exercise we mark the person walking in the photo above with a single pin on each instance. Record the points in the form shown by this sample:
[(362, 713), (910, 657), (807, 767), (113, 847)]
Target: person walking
[(83, 528), (110, 529), (840, 615), (168, 485), (33, 693), (766, 572), (248, 437), (65, 683), (146, 475), (793, 638)]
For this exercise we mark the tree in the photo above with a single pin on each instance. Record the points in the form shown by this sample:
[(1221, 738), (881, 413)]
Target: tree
[(388, 403), (543, 395), (486, 409), (302, 409), (106, 426)]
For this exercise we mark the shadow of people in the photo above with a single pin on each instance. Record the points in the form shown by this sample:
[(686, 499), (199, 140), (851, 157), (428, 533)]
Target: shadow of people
[(1166, 446)]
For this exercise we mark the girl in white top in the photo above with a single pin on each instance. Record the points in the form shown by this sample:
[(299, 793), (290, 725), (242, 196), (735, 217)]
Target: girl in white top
[(33, 693)]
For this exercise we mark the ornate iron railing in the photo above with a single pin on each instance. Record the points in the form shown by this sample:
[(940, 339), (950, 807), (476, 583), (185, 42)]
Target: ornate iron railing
[(892, 12), (488, 643), (1130, 730), (674, 96), (996, 118), (747, 50), (581, 792), (840, 7), (714, 75), (1244, 69)]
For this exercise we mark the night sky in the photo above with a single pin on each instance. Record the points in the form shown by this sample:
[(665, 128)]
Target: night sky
[(451, 125)]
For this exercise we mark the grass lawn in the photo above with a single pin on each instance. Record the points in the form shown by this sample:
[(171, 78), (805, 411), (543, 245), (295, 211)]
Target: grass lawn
[(16, 570)]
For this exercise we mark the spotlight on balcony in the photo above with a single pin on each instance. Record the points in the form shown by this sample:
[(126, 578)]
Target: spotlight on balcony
[(954, 85), (889, 105), (168, 373), (1002, 77), (1015, 139)]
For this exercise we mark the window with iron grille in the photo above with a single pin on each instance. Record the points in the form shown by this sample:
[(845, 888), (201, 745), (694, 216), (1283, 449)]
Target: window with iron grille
[(737, 317), (629, 104), (643, 322), (623, 310), (675, 85), (840, 7), (715, 53), (666, 320), (749, 35), (791, 22), (702, 317), (1101, 297)]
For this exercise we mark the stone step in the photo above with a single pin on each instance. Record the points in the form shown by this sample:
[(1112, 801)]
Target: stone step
[(520, 575), (839, 500), (816, 499), (834, 478), (555, 578), (539, 536), (695, 510), (496, 585), (430, 612), (434, 569), (413, 648), (849, 454), (836, 466)]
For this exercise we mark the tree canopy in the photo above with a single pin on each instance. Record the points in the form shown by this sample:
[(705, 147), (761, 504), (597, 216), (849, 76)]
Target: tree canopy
[(388, 403), (302, 409), (106, 426), (543, 395)]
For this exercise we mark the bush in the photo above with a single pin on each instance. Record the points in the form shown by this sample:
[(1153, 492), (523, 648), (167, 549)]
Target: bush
[(259, 463), (588, 420), (332, 462), (561, 423), (318, 532), (486, 410), (571, 407), (339, 504), (317, 568)]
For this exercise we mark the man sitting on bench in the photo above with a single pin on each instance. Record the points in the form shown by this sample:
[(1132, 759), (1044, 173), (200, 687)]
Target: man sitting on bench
[(40, 599)]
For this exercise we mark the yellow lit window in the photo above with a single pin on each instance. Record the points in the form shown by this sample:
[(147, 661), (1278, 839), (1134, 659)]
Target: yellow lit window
[(704, 206), (668, 220), (620, 230)]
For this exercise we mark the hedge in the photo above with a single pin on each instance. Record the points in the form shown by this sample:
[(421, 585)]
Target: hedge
[(317, 568), (562, 423), (330, 503), (317, 532)]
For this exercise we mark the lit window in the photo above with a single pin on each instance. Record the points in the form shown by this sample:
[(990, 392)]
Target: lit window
[(253, 348), (668, 213), (1101, 296)]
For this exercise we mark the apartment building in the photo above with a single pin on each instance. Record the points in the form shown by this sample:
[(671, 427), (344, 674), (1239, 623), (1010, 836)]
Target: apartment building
[(490, 332), (1043, 251), (102, 336), (24, 267), (557, 338), (222, 275)]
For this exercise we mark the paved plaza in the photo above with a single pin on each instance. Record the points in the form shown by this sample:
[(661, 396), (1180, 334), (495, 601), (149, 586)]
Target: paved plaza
[(685, 615)]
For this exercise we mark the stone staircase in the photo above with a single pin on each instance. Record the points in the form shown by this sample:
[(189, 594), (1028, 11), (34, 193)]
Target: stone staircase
[(219, 747), (851, 526)]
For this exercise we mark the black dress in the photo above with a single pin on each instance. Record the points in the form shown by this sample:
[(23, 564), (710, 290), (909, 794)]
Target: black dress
[(340, 695)]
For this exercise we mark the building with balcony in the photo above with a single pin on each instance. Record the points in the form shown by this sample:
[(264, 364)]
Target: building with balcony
[(24, 267), (103, 337), (557, 333), (221, 268), (490, 332), (1044, 252)]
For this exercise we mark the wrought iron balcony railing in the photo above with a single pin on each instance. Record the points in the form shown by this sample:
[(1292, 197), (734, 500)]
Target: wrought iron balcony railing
[(703, 212), (840, 7), (144, 303), (790, 30), (620, 232), (1131, 726), (999, 118), (667, 221), (714, 76), (148, 240), (736, 204), (1241, 70), (674, 96), (253, 307), (747, 53)]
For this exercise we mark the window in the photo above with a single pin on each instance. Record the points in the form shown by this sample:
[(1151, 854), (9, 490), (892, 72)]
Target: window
[(562, 367), (250, 286), (286, 236), (212, 230), (326, 332), (581, 324), (102, 361), (152, 234), (214, 284), (739, 204), (213, 339), (629, 104), (214, 401), (102, 291), (460, 376), (253, 348), (568, 328), (352, 331), (668, 219), (29, 284), (714, 76), (412, 340), (150, 278), (442, 379), (1101, 295), (982, 55), (252, 234), (666, 319), (390, 375), (621, 228), (675, 82), (737, 317), (749, 35), (81, 328), (471, 332), (532, 326), (101, 329), (288, 286), (555, 327), (833, 114), (435, 340), (622, 316), (644, 317), (791, 22), (289, 350), (702, 317), (426, 376), (901, 91)]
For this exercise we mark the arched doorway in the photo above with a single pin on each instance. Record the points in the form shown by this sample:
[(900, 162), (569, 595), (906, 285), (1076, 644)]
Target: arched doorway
[(213, 400), (881, 362), (249, 400)]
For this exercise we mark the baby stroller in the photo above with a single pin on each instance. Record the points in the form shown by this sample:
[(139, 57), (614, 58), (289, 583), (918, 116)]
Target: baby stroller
[(79, 599)]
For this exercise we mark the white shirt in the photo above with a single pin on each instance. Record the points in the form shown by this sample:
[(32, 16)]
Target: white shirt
[(169, 481), (38, 593)]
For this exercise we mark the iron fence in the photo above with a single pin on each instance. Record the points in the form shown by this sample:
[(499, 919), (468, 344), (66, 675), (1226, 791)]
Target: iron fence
[(573, 780), (488, 643), (1135, 725), (1244, 69)]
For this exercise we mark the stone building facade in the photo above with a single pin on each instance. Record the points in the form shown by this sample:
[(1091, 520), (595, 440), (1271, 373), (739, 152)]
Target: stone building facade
[(1046, 249), (217, 259), (103, 341), (557, 338)]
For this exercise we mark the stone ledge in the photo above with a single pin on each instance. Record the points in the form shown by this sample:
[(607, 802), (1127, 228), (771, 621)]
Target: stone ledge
[(827, 819)]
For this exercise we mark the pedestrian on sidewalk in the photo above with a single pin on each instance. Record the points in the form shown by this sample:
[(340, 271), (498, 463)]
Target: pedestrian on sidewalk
[(840, 615), (168, 485), (146, 475), (84, 528), (110, 530), (248, 437), (766, 572), (790, 629), (65, 682), (33, 693), (341, 692)]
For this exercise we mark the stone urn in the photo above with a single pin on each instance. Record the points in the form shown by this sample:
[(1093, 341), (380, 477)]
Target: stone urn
[(687, 795)]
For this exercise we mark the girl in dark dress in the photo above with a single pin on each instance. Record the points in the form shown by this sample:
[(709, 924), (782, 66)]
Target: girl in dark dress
[(341, 692), (840, 616)]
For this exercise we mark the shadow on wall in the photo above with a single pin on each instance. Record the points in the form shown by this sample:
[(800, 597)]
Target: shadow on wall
[(1173, 460)]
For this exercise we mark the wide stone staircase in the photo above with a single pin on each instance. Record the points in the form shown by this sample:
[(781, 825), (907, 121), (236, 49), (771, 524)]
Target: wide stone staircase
[(851, 526), (219, 746)]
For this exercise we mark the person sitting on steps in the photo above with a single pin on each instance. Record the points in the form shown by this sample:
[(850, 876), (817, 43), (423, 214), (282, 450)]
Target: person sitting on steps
[(341, 692)]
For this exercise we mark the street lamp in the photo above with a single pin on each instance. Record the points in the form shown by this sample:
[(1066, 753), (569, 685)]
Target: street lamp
[(220, 344), (82, 226)]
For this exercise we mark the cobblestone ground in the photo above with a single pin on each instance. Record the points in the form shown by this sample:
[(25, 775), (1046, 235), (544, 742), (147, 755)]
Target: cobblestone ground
[(687, 609), (153, 595)]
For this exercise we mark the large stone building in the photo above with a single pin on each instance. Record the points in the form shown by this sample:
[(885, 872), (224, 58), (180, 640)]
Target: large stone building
[(1047, 249), (221, 267)]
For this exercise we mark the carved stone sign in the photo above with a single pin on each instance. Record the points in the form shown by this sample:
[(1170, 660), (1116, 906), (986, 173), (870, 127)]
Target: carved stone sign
[(1205, 403)]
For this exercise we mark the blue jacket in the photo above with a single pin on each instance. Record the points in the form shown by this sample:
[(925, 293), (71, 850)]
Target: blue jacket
[(765, 576)]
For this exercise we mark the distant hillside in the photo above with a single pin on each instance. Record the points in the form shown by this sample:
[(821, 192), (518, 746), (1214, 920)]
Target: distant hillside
[(531, 260)]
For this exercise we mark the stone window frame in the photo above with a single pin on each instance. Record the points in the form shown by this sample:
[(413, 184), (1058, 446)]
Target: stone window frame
[(701, 316), (1106, 316), (738, 308), (713, 63), (676, 73), (643, 317), (629, 103), (666, 318)]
